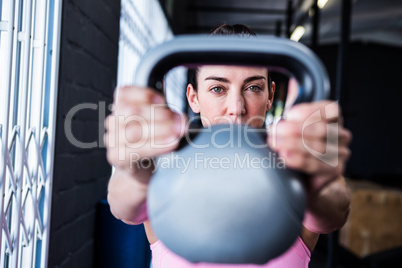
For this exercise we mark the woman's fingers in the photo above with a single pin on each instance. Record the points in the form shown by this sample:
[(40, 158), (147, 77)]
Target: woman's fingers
[(312, 139), (141, 126), (137, 95)]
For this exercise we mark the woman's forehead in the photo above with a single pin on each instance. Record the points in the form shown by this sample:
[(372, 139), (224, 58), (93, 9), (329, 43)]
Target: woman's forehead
[(228, 70)]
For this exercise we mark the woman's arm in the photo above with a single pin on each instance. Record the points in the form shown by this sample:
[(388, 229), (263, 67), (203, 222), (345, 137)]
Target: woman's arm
[(127, 194), (313, 140), (326, 212), (328, 209)]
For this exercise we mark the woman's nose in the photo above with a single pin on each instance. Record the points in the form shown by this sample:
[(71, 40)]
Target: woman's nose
[(236, 105)]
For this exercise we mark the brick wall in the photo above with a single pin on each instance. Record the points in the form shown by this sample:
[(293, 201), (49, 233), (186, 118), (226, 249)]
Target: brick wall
[(88, 73)]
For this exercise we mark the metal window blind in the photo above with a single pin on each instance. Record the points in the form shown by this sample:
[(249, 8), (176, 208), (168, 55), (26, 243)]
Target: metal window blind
[(29, 48)]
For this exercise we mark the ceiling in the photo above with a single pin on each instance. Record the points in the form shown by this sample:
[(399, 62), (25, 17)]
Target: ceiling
[(371, 20)]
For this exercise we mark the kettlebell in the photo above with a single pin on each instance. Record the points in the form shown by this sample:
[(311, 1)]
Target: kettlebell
[(236, 202)]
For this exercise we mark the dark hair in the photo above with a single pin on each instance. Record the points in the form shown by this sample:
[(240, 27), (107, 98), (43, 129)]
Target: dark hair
[(236, 29), (226, 29)]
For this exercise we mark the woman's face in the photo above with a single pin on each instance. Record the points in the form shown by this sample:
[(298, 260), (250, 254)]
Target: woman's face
[(231, 94)]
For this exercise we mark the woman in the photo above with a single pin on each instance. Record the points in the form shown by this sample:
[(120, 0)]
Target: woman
[(240, 95)]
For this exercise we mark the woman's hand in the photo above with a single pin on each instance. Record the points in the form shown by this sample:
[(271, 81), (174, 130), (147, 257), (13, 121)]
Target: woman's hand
[(313, 140), (140, 127)]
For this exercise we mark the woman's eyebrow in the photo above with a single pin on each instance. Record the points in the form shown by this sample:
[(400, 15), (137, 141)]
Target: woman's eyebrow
[(217, 78), (253, 78)]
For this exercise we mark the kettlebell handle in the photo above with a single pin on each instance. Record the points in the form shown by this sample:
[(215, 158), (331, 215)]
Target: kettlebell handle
[(272, 52)]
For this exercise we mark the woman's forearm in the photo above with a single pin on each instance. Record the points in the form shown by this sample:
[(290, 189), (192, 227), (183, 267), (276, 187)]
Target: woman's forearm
[(127, 192), (328, 210)]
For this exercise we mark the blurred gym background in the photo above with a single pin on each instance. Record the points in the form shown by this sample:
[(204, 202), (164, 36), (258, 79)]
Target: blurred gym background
[(60, 61)]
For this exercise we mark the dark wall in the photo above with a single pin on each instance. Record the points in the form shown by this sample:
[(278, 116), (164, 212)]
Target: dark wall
[(88, 73), (371, 103), (180, 15)]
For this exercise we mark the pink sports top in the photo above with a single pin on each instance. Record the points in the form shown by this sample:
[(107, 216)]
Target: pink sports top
[(297, 256)]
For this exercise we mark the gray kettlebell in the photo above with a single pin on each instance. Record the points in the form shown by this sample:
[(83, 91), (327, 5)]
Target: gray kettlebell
[(236, 202)]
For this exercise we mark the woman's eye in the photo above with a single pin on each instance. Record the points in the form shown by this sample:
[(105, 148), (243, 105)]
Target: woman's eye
[(217, 90), (254, 88)]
